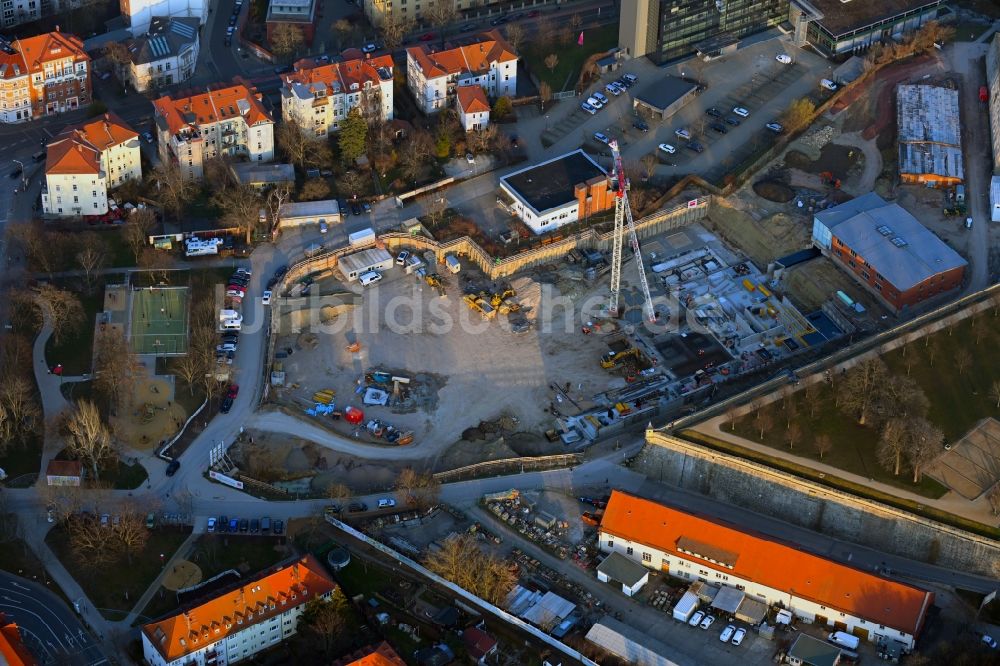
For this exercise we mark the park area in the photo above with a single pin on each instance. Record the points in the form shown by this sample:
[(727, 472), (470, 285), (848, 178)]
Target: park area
[(570, 57), (158, 320), (954, 368)]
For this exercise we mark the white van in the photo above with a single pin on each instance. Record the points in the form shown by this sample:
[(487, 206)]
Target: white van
[(369, 277), (828, 84), (230, 325)]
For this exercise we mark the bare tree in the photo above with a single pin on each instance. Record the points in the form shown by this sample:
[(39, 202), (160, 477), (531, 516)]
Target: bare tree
[(45, 250), (324, 625), (241, 208), (441, 14), (137, 230), (20, 411), (552, 61), (419, 489), (88, 437), (789, 404), (301, 148), (764, 422), (116, 367), (276, 198), (963, 359), (732, 412), (924, 444), (65, 310), (286, 40), (120, 57), (793, 433), (649, 163), (575, 22), (156, 262), (351, 183), (812, 392), (461, 561), (479, 141), (191, 367), (173, 189), (544, 93), (901, 397), (92, 256), (89, 541), (932, 351), (891, 445), (394, 29), (995, 391), (343, 30), (993, 497), (823, 445), (415, 153), (314, 189), (339, 493), (862, 386), (131, 532), (515, 36)]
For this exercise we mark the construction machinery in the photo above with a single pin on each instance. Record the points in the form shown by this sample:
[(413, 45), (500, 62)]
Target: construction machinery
[(481, 305), (623, 215), (501, 301), (613, 358)]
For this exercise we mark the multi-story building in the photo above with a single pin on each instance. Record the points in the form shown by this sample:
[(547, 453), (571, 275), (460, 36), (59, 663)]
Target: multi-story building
[(42, 75), (299, 13), (222, 122), (665, 30), (473, 108), (811, 587), (834, 26), (16, 12), (319, 96), (140, 13), (85, 162), (993, 90), (165, 55), (240, 622), (488, 62), (888, 251)]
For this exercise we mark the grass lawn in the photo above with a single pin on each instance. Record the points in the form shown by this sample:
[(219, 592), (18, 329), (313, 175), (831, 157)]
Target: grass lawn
[(362, 578), (969, 31), (23, 459), (216, 553), (106, 588), (571, 58), (76, 351), (958, 400)]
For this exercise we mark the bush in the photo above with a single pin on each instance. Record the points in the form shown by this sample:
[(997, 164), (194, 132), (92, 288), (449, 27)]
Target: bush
[(442, 147), (503, 108)]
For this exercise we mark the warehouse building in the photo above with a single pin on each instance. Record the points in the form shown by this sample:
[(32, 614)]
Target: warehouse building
[(930, 136), (355, 264), (993, 91), (888, 251), (665, 97), (813, 588), (835, 26), (560, 191)]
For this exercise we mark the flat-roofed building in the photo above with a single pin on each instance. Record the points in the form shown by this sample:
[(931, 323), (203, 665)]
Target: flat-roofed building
[(929, 135), (813, 588), (835, 26)]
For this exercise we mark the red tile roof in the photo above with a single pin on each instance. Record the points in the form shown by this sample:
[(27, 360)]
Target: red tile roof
[(255, 601), (63, 468), (472, 99), (77, 150), (478, 642), (474, 58), (33, 52), (212, 106), (356, 70), (379, 655), (767, 562), (12, 649)]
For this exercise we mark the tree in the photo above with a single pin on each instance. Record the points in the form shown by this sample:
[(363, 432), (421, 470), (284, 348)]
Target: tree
[(564, 35), (286, 40), (799, 114), (435, 210), (732, 413), (515, 35), (314, 189), (137, 229), (156, 262), (552, 61), (19, 409), (461, 561), (351, 183), (352, 136), (993, 497), (323, 624), (441, 14), (120, 57), (995, 391), (65, 310), (131, 533), (823, 445), (89, 439), (862, 387), (380, 140), (419, 489), (900, 396), (764, 422), (339, 493), (394, 29), (442, 146), (789, 403), (343, 31), (241, 208), (415, 152), (479, 141), (963, 359), (576, 22), (92, 256), (811, 393), (544, 93), (793, 433), (891, 445), (173, 189), (45, 250), (649, 163), (503, 107), (115, 366), (924, 444), (89, 541), (301, 149)]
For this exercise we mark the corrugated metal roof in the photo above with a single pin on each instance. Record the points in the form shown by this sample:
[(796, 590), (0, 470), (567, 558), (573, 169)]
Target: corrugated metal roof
[(930, 136), (626, 643), (549, 608)]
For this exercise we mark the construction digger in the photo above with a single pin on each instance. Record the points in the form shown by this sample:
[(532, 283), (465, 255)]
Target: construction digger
[(501, 301), (481, 305), (615, 358), (434, 280)]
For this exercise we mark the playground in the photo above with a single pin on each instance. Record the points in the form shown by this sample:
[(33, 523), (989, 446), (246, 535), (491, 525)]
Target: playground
[(152, 414), (158, 320)]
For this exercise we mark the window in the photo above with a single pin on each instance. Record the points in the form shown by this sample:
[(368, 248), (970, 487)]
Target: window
[(628, 550), (611, 543), (647, 557)]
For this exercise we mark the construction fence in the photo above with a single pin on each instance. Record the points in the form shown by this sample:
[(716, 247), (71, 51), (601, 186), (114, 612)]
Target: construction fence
[(508, 466)]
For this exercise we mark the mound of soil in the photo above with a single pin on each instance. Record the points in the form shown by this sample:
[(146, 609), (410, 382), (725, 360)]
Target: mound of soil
[(772, 190), (795, 159)]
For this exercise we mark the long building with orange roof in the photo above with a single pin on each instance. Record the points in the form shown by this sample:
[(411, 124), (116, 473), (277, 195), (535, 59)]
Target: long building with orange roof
[(241, 622), (811, 587), (374, 655), (85, 161), (42, 76), (13, 652), (434, 76), (220, 122), (318, 96)]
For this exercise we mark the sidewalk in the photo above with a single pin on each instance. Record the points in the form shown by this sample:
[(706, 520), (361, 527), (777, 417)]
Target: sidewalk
[(179, 554)]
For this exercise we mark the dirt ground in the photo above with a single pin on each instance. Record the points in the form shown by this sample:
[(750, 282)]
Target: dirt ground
[(463, 370), (182, 574), (151, 416), (763, 239)]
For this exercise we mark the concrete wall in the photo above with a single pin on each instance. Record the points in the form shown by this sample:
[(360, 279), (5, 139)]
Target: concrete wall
[(993, 83), (773, 493)]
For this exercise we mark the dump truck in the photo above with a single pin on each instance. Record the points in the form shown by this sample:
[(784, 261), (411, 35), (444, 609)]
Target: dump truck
[(480, 305)]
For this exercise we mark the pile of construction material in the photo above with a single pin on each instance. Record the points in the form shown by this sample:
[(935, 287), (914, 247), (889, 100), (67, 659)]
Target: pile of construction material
[(522, 515)]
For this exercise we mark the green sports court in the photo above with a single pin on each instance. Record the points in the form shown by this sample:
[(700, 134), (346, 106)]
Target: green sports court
[(158, 320)]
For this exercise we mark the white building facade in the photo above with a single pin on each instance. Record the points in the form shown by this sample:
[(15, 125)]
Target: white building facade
[(140, 13), (435, 77), (167, 54), (319, 96), (85, 162)]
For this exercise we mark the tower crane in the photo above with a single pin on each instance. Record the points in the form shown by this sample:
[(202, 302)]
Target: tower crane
[(623, 213)]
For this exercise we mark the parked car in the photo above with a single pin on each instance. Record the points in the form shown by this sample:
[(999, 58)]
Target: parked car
[(641, 125), (739, 636), (707, 622), (280, 272), (588, 108), (386, 503), (223, 525), (147, 136), (718, 127), (613, 89), (714, 112), (355, 208), (254, 526), (828, 84), (279, 527), (402, 257), (244, 525), (105, 520), (667, 148), (695, 146), (227, 404), (783, 58), (357, 507), (172, 468), (598, 96), (265, 299), (600, 137), (775, 127), (323, 227), (426, 37), (682, 133), (735, 122), (696, 618), (594, 102), (370, 47), (989, 640), (211, 525), (632, 79), (727, 633), (234, 390), (234, 525), (740, 111), (150, 520), (369, 277)]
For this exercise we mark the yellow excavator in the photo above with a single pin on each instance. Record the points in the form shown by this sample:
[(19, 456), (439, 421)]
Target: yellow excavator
[(614, 358), (501, 301), (480, 305)]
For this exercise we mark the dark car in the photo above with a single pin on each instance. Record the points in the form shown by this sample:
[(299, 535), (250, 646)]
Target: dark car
[(719, 127), (232, 20), (226, 405), (714, 112), (499, 20), (355, 208), (357, 507), (735, 122), (254, 526), (279, 527), (228, 41), (234, 390), (173, 467), (695, 146), (641, 125), (280, 272), (234, 525), (223, 524), (244, 525)]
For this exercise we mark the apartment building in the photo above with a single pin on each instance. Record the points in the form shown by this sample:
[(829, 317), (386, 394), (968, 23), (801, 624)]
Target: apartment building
[(86, 161), (473, 108), (16, 12), (299, 13), (813, 588), (240, 622), (434, 77), (165, 55), (319, 96), (140, 13), (228, 121), (42, 75)]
